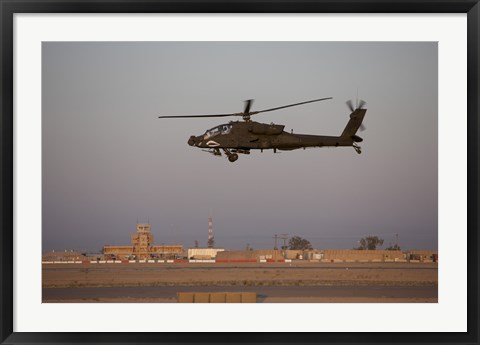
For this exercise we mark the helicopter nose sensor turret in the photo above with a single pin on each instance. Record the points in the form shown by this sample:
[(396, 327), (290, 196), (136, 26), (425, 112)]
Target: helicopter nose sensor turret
[(191, 140)]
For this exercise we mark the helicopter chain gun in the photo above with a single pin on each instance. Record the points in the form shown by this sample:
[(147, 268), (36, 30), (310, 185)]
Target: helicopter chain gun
[(240, 137)]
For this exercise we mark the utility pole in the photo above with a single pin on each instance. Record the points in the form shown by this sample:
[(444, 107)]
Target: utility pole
[(284, 237), (275, 237)]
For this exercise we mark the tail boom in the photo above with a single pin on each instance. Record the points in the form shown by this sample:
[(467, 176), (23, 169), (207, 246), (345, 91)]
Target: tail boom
[(353, 125)]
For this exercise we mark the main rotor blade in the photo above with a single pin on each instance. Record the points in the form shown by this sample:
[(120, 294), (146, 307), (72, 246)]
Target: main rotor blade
[(361, 104), (290, 105), (248, 104), (245, 113), (190, 116)]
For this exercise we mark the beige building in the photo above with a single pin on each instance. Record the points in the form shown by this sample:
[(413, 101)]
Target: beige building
[(423, 255), (67, 255), (203, 253), (142, 247)]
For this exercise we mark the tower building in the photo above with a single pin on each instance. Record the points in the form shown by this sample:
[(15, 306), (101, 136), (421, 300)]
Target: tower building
[(142, 241), (142, 247)]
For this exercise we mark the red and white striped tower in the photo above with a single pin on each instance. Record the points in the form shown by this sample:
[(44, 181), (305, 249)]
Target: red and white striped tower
[(210, 232)]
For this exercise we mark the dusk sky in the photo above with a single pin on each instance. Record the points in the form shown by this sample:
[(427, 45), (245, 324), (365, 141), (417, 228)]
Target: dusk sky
[(108, 160)]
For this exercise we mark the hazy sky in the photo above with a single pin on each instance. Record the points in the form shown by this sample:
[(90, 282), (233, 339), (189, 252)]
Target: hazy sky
[(108, 160)]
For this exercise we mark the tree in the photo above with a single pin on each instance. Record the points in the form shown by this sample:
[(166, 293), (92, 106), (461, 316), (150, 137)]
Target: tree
[(394, 247), (370, 243), (298, 243)]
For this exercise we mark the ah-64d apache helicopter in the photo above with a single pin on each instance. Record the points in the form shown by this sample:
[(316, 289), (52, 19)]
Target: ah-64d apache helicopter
[(242, 136)]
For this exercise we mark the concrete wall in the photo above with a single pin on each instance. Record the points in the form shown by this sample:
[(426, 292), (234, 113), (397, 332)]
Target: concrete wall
[(380, 255), (293, 254), (423, 252), (250, 255)]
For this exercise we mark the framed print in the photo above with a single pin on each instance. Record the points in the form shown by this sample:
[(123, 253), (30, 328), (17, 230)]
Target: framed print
[(176, 172)]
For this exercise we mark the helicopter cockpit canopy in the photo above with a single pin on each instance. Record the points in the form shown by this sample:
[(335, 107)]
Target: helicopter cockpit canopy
[(222, 129)]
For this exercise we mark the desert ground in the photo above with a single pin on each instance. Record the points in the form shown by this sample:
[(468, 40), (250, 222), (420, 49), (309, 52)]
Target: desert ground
[(335, 282)]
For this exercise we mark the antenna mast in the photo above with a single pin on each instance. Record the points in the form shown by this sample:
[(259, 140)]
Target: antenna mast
[(211, 240)]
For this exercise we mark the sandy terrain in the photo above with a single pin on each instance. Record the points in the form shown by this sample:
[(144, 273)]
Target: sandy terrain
[(238, 275)]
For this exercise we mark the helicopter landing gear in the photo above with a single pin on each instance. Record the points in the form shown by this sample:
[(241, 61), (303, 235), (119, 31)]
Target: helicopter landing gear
[(215, 152), (232, 157), (357, 148)]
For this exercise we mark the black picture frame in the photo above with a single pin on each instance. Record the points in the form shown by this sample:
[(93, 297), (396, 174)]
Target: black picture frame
[(10, 7)]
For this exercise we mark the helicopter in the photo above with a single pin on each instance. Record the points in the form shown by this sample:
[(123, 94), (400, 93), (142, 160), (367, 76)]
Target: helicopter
[(240, 137)]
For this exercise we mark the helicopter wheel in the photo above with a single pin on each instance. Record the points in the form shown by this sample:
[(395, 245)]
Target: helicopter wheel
[(233, 157), (357, 148)]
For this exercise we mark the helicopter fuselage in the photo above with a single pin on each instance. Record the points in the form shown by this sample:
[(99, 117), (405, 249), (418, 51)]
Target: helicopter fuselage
[(258, 136), (241, 137)]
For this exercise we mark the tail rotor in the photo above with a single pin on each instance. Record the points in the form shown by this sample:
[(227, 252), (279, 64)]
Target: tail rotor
[(349, 104), (361, 104)]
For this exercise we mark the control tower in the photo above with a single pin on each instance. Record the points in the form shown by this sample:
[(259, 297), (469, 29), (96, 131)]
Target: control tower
[(142, 241)]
